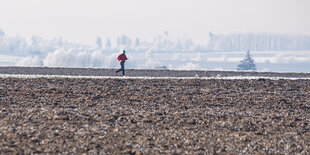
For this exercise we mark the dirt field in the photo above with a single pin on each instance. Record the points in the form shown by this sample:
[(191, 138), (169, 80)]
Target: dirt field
[(141, 73), (158, 116)]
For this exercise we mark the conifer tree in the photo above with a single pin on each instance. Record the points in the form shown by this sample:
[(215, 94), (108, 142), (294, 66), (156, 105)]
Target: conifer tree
[(247, 63)]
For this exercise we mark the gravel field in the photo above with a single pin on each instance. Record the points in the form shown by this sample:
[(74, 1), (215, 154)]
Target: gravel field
[(152, 116)]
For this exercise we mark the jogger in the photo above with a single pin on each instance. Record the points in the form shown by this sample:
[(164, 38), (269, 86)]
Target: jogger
[(122, 58)]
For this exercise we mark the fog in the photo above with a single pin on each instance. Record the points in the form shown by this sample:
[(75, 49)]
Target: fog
[(270, 51)]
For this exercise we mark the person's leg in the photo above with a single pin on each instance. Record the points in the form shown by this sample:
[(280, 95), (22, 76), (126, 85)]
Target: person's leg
[(123, 68), (120, 68)]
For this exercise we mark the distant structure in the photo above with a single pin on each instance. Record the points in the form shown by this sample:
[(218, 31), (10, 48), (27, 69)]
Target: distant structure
[(1, 32), (108, 43), (258, 42), (247, 63), (161, 67), (211, 35), (99, 42)]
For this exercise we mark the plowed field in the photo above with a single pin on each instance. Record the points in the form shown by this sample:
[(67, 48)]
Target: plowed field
[(154, 116)]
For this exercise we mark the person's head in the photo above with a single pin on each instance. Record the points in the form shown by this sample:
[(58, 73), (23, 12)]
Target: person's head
[(123, 51)]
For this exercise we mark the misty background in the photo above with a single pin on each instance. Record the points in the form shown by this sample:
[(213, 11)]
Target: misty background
[(271, 52), (173, 34)]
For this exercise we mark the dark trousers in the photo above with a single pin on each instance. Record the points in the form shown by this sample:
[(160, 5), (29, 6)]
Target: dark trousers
[(122, 68)]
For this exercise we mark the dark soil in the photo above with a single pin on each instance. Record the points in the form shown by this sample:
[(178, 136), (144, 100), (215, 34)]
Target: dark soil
[(142, 72), (154, 116)]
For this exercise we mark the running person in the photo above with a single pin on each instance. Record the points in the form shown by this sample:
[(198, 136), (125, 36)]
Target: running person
[(122, 58)]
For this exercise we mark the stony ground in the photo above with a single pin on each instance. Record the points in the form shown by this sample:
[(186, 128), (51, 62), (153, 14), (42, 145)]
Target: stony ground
[(159, 116)]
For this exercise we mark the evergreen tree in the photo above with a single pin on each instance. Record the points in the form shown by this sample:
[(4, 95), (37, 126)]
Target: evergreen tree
[(247, 63)]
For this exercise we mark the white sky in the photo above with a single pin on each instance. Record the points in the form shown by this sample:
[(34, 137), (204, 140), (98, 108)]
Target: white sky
[(84, 20)]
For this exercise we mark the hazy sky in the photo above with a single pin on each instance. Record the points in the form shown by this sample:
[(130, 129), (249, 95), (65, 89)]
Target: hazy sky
[(84, 20)]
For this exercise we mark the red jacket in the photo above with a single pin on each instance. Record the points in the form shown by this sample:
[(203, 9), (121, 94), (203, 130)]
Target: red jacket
[(122, 57)]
